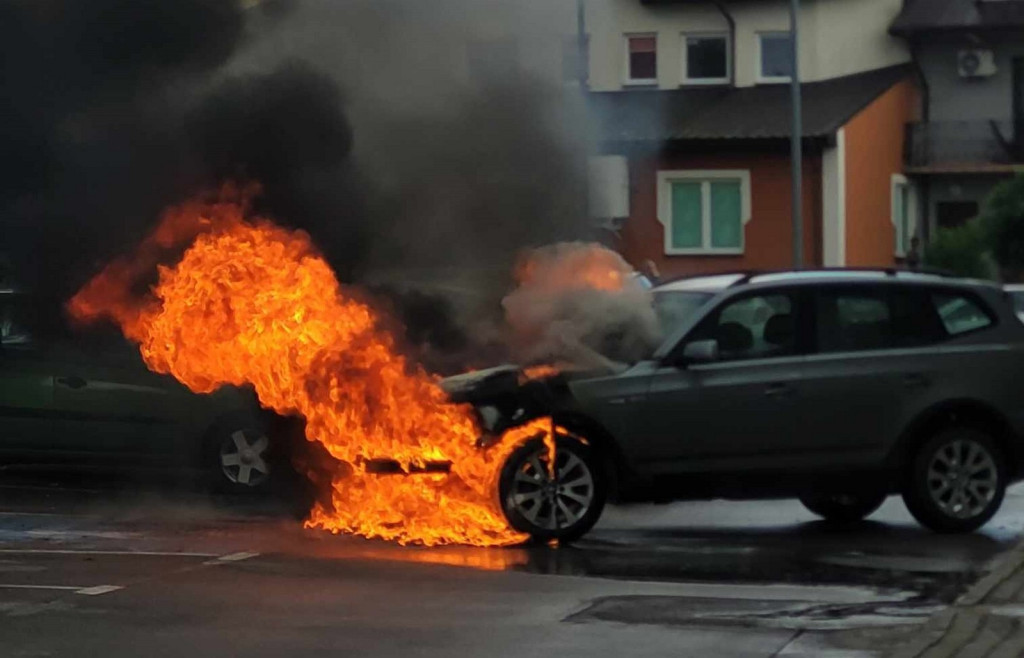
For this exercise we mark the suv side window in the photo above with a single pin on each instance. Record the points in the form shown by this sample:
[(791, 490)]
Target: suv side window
[(852, 319), (914, 320), (959, 313), (753, 327)]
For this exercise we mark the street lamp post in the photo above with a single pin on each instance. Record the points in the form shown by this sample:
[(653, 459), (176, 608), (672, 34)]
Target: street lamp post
[(796, 130), (582, 65)]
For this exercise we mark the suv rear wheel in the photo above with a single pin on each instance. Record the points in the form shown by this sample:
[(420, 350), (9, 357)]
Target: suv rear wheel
[(563, 507), (956, 481), (843, 507)]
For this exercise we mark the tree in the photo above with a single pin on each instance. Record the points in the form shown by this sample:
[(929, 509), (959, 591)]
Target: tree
[(960, 250), (1002, 220)]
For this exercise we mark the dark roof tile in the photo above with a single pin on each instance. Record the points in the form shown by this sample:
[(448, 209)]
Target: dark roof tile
[(924, 15), (760, 112)]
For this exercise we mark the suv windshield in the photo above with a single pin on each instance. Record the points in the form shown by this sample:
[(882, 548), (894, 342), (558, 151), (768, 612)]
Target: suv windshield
[(674, 307)]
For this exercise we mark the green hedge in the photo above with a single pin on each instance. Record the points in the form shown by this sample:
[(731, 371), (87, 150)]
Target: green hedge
[(1002, 221), (961, 250)]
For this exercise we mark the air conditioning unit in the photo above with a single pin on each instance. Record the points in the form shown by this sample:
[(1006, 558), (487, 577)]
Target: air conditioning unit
[(975, 63)]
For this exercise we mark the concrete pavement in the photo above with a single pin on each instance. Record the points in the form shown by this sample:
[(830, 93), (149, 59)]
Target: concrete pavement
[(88, 571)]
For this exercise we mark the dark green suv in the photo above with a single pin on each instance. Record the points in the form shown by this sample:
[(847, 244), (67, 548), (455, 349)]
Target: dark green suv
[(85, 397), (836, 387)]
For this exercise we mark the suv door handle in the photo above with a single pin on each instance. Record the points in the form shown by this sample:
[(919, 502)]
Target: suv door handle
[(915, 380), (778, 390), (72, 382)]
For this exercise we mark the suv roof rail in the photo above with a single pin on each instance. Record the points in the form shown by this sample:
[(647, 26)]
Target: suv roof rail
[(743, 274), (888, 271)]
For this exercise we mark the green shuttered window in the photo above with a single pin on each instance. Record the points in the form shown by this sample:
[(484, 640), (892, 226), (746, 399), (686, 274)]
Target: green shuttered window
[(687, 215), (726, 220), (705, 215)]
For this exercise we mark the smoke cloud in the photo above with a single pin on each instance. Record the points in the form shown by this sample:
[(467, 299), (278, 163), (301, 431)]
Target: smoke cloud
[(580, 304), (414, 143)]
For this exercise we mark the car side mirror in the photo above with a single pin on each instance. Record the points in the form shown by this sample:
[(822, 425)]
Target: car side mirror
[(701, 351)]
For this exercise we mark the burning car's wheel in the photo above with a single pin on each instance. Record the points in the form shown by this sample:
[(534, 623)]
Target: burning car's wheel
[(563, 507), (956, 481), (239, 459)]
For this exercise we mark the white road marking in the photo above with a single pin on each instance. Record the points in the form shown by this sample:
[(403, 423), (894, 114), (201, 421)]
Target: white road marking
[(47, 551), (232, 557), (96, 590), (69, 588), (31, 514), (99, 589)]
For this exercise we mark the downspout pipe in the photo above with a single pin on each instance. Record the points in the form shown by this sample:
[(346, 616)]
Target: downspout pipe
[(924, 214), (720, 6)]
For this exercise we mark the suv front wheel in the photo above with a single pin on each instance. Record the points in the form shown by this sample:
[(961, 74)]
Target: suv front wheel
[(956, 481), (563, 507)]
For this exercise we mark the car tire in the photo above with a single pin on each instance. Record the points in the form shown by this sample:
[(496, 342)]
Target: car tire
[(238, 458), (563, 510), (956, 481), (843, 507)]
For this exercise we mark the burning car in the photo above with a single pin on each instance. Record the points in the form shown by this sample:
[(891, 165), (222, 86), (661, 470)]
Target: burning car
[(87, 399)]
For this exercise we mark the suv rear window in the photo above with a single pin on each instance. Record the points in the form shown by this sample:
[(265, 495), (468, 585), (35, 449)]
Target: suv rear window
[(960, 314)]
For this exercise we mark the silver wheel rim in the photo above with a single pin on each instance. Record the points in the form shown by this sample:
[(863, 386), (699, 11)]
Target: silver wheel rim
[(243, 460), (962, 478), (552, 503)]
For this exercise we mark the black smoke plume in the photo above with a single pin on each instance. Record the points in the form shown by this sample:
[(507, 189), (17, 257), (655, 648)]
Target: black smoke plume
[(412, 180)]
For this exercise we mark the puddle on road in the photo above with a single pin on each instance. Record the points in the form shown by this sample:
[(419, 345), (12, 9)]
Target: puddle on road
[(792, 615)]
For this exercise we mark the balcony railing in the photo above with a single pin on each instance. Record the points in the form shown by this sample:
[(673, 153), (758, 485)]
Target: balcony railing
[(963, 144)]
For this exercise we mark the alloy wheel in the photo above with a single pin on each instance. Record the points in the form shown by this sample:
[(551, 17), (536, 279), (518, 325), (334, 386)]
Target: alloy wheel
[(244, 460), (552, 502), (962, 478)]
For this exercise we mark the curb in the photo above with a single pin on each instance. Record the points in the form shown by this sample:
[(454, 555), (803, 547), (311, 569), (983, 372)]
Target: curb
[(1002, 568), (967, 619)]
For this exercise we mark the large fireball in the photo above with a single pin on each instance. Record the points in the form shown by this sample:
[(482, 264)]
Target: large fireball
[(252, 303)]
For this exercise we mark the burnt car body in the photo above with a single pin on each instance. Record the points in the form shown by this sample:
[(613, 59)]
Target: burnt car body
[(837, 387), (83, 397)]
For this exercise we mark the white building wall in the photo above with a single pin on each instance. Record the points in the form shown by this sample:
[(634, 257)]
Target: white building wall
[(833, 198), (838, 37)]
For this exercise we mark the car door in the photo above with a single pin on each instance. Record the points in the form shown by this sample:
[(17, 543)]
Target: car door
[(741, 407), (866, 366), (26, 380), (106, 401)]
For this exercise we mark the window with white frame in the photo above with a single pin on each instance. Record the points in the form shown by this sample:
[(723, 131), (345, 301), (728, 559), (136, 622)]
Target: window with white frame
[(902, 214), (775, 57), (706, 58), (704, 212), (641, 59)]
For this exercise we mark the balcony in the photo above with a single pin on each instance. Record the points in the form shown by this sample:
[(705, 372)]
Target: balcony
[(962, 146)]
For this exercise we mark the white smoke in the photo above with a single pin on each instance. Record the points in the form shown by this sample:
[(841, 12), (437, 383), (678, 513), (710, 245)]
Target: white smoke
[(582, 304)]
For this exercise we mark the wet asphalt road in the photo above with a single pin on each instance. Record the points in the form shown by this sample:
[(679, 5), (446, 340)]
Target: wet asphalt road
[(94, 566)]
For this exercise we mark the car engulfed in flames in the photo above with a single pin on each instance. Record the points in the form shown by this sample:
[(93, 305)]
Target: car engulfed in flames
[(241, 301)]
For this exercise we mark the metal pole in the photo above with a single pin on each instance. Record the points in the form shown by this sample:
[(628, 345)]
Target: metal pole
[(582, 64), (796, 130)]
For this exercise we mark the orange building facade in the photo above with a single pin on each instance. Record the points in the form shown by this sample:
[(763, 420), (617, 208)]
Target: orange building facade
[(852, 191)]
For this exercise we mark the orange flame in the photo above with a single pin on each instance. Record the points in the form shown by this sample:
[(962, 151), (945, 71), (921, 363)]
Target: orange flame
[(540, 371), (252, 303), (573, 266)]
